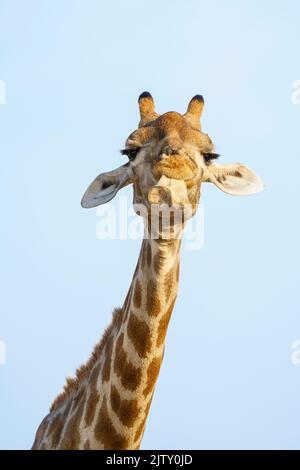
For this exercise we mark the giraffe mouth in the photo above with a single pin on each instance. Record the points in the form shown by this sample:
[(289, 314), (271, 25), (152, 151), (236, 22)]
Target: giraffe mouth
[(169, 191)]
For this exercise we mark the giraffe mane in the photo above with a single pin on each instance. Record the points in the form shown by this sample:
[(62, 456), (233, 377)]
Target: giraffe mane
[(73, 383)]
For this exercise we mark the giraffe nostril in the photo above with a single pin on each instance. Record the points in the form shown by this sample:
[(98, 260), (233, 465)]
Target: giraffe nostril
[(169, 150)]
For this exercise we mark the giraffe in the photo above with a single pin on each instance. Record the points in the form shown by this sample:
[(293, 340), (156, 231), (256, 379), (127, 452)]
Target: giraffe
[(106, 405)]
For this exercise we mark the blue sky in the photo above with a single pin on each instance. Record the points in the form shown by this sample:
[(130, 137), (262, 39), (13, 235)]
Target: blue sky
[(73, 71)]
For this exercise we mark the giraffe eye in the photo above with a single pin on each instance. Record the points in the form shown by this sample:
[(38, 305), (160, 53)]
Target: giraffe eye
[(208, 157), (131, 153)]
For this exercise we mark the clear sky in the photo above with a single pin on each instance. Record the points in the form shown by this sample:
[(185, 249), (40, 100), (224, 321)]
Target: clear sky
[(73, 72)]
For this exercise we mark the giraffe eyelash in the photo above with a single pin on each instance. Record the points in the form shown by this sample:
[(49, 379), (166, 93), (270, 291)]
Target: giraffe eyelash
[(130, 153), (208, 157)]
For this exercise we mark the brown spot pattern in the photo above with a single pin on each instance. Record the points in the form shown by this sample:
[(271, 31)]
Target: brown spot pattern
[(143, 256), (106, 433), (127, 303), (152, 374), (94, 375), (141, 427), (152, 302), (129, 374), (91, 407), (149, 223), (163, 325), (71, 438), (139, 333), (78, 397), (126, 410), (137, 296), (149, 254), (58, 424)]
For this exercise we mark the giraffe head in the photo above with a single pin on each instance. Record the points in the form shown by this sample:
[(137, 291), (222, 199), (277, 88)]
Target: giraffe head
[(168, 158)]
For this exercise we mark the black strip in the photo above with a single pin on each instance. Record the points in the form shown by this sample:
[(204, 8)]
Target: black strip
[(147, 459)]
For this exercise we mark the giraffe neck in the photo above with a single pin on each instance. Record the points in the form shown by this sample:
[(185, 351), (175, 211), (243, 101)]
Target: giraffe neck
[(137, 347), (110, 407)]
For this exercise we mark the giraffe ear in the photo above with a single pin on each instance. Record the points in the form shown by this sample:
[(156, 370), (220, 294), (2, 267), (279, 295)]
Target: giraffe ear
[(235, 179), (106, 186), (147, 108)]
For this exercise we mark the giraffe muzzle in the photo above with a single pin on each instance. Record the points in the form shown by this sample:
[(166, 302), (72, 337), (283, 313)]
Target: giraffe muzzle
[(168, 191)]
